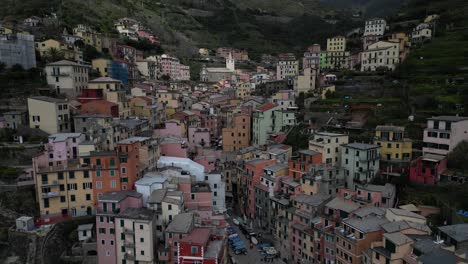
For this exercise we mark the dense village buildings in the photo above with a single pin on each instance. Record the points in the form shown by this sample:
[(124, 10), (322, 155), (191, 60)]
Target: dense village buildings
[(166, 164)]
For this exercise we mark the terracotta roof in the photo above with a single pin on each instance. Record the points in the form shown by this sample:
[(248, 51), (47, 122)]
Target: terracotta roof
[(198, 236), (266, 107)]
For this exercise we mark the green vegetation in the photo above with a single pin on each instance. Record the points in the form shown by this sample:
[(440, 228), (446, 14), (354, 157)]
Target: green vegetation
[(298, 138)]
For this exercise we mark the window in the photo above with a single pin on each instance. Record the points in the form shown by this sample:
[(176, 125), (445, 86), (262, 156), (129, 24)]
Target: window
[(113, 184), (72, 198), (87, 185), (88, 197), (112, 173), (194, 250), (141, 227), (432, 134), (102, 230), (193, 196), (62, 199), (103, 242), (121, 222), (142, 252), (72, 186), (124, 170), (85, 174), (60, 175), (98, 173), (98, 185)]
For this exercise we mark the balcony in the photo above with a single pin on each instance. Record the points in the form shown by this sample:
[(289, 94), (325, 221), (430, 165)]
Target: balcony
[(59, 74), (50, 195), (128, 256), (50, 183), (129, 244), (128, 231)]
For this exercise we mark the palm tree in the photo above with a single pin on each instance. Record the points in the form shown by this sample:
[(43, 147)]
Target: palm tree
[(53, 54)]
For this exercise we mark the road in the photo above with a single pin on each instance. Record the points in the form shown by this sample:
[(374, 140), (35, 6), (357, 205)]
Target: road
[(253, 255)]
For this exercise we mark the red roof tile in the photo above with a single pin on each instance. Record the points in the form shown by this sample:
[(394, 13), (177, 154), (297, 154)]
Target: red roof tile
[(266, 107)]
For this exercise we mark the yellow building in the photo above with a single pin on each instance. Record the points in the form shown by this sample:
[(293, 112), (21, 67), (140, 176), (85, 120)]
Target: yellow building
[(64, 191), (5, 30), (70, 52), (243, 90), (337, 43), (102, 66), (393, 145)]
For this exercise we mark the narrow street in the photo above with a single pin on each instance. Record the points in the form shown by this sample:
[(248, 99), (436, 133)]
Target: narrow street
[(253, 255)]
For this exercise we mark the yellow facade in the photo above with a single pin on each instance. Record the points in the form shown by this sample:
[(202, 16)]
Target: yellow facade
[(69, 51), (393, 145), (64, 192), (5, 30), (91, 38), (139, 107), (309, 186), (101, 65)]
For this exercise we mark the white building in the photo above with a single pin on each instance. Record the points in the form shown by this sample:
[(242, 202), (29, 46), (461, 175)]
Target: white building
[(360, 163), (287, 67), (375, 26), (135, 232), (329, 145), (185, 164), (421, 33), (444, 133), (149, 183), (218, 191), (382, 54), (67, 77)]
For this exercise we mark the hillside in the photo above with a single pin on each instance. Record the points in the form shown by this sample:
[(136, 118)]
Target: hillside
[(428, 70), (260, 26)]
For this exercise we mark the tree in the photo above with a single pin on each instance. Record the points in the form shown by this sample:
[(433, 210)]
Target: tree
[(90, 53), (52, 55), (458, 158)]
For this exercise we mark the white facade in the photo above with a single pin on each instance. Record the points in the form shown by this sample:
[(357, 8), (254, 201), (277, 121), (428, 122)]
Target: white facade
[(230, 63), (218, 191), (375, 26), (329, 145), (149, 183), (382, 54), (421, 33), (360, 163), (138, 239), (185, 164), (444, 133), (67, 77)]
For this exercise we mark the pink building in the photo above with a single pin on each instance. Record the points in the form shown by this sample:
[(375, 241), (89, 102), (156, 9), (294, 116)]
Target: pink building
[(254, 170), (60, 148), (171, 128), (289, 186), (371, 195), (196, 196), (149, 36), (110, 204), (173, 147), (427, 169), (199, 137)]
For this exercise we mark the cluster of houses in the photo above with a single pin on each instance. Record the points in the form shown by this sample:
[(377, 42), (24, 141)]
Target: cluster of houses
[(158, 161)]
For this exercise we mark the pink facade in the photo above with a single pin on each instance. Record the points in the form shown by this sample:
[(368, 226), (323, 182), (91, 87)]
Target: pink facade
[(199, 137), (427, 170), (173, 149), (195, 199), (254, 172), (170, 129), (147, 35), (59, 149), (213, 123), (109, 206), (208, 162), (288, 186)]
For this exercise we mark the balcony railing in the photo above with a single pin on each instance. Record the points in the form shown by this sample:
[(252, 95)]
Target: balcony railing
[(128, 256), (128, 244), (50, 195), (128, 231), (50, 183)]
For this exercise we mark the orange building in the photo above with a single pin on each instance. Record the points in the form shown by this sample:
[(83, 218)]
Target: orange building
[(101, 107), (237, 135), (300, 165), (105, 173)]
